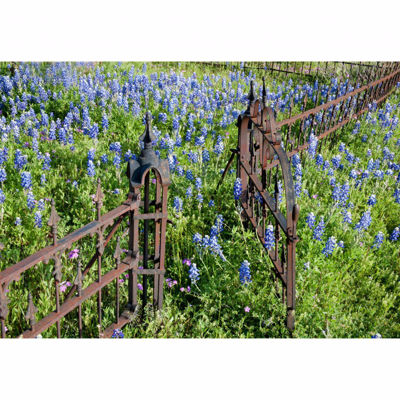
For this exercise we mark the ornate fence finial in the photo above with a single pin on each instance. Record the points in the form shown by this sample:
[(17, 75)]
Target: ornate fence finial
[(147, 137), (251, 95), (264, 92), (53, 221), (30, 313), (78, 279), (99, 198)]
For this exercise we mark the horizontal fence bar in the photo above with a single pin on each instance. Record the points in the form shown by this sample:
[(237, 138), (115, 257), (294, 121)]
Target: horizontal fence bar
[(72, 303), (14, 272), (325, 106)]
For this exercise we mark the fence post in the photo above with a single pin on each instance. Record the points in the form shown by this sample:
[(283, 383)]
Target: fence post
[(153, 238)]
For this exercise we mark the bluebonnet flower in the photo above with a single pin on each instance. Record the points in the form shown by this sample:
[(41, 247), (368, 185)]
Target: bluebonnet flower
[(344, 193), (31, 202), (2, 197), (178, 204), (353, 174), (244, 273), (219, 221), (347, 217), (17, 221), (38, 219), (310, 220), (198, 183), (104, 158), (91, 168), (313, 145), (117, 334), (117, 160), (319, 230), (197, 238), (205, 156), (379, 174), (115, 146), (104, 122), (372, 200), (395, 234), (19, 159), (336, 161), (26, 180), (211, 203), (396, 195), (199, 198), (365, 221), (219, 147), (342, 147), (319, 161), (336, 193), (329, 246), (199, 140), (41, 205), (237, 189), (341, 244), (189, 175), (194, 274), (378, 240), (3, 175), (326, 165), (189, 192), (179, 170), (269, 238)]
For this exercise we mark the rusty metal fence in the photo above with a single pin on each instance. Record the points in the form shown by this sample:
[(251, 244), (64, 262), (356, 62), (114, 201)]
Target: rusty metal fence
[(266, 147), (145, 254)]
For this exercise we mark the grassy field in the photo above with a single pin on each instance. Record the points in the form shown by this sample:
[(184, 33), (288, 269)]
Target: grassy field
[(67, 118)]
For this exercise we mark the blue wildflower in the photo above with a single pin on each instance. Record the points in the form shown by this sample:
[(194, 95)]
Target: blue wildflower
[(244, 273), (269, 238), (372, 200), (26, 180), (319, 230), (329, 246), (310, 220), (378, 240), (237, 188), (194, 274), (38, 219), (365, 221)]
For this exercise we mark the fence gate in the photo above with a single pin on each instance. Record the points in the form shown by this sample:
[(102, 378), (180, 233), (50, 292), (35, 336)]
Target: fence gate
[(145, 225), (267, 197)]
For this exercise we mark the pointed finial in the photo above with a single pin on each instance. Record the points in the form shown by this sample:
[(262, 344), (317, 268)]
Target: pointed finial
[(264, 91), (78, 279), (53, 221), (147, 137), (32, 310), (251, 96), (99, 198)]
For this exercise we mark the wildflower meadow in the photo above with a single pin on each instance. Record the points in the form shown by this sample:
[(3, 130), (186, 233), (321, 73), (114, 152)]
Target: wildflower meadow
[(65, 125)]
